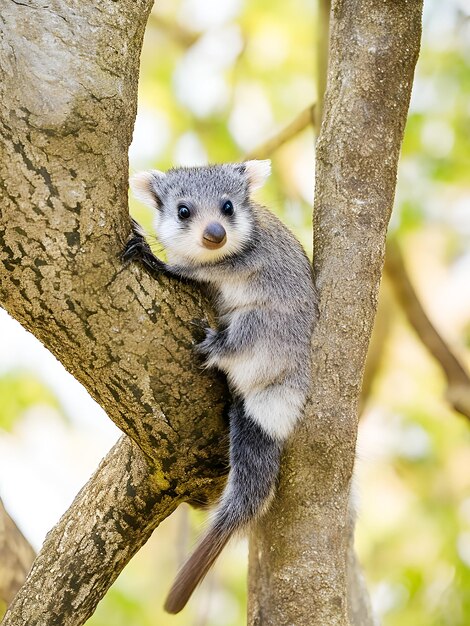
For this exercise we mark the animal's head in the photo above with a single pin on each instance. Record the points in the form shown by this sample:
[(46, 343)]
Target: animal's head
[(202, 214)]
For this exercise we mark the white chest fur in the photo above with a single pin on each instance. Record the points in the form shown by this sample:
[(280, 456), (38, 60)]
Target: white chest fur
[(236, 294)]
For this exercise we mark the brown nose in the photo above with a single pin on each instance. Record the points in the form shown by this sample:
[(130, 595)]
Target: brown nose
[(214, 236)]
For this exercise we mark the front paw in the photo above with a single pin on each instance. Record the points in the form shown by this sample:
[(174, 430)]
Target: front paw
[(137, 249), (206, 347), (134, 249)]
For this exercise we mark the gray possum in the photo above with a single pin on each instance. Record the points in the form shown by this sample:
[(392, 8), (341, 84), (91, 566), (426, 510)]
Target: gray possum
[(263, 292)]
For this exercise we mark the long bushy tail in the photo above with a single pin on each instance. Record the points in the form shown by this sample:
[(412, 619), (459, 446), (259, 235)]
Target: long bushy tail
[(254, 467)]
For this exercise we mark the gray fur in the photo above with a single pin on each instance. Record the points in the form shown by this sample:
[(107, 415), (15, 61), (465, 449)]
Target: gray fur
[(266, 303), (255, 459)]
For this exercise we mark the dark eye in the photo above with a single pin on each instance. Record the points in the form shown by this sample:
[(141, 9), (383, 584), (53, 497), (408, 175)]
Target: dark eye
[(183, 212), (227, 208)]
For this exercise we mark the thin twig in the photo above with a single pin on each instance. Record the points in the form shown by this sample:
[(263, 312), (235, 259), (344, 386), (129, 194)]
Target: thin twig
[(304, 119), (181, 35)]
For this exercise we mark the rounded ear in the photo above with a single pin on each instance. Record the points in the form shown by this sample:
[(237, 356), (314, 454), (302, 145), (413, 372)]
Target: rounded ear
[(257, 172), (145, 187)]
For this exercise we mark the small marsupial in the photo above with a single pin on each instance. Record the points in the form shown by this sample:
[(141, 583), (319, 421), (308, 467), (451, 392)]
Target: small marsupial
[(263, 291)]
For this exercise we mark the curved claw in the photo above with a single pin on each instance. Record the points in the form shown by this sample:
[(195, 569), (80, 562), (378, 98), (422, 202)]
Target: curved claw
[(137, 249), (206, 346)]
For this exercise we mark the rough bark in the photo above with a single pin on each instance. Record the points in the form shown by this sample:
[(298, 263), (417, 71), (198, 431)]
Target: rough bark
[(68, 84), (298, 555), (378, 341), (68, 97), (16, 557)]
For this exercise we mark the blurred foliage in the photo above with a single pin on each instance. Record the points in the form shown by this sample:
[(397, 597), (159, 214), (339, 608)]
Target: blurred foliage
[(434, 182), (20, 391), (413, 534)]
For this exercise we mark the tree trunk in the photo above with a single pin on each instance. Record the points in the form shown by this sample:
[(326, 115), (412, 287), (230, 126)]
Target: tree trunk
[(299, 552), (67, 105)]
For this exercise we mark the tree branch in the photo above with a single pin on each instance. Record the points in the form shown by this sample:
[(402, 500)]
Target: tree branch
[(109, 521), (121, 334), (66, 89), (125, 336), (380, 332), (458, 381), (304, 119), (65, 239), (181, 35)]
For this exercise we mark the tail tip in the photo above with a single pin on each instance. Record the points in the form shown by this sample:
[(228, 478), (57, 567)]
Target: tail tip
[(174, 603), (172, 606), (196, 567)]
